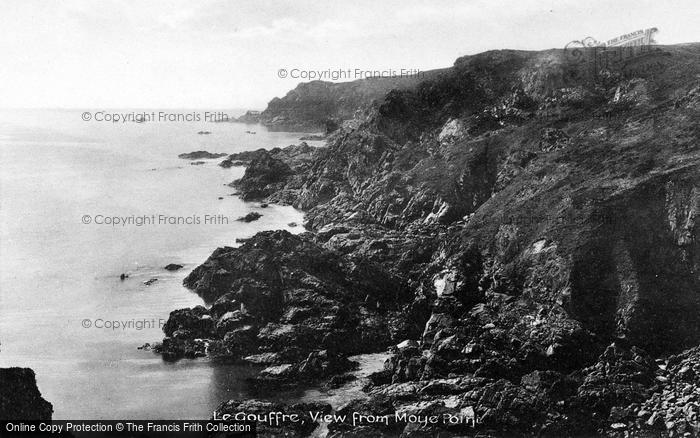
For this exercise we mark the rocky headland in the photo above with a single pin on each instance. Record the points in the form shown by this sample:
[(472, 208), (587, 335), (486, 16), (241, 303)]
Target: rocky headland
[(519, 231), (321, 106), (268, 172), (20, 398)]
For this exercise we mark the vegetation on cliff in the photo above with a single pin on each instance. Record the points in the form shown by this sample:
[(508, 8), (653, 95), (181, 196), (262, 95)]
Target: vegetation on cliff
[(535, 220)]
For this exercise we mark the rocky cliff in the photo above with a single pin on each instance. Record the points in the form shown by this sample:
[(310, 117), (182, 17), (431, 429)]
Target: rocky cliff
[(321, 106), (526, 227), (20, 398)]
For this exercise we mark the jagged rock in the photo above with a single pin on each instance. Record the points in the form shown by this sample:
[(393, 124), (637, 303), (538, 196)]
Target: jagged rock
[(198, 155), (536, 228), (20, 398), (196, 322), (269, 171), (320, 105), (250, 217), (262, 177), (283, 294)]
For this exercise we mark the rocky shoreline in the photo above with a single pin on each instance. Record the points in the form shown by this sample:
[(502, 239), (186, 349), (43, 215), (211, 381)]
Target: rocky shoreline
[(321, 106), (20, 398), (519, 233)]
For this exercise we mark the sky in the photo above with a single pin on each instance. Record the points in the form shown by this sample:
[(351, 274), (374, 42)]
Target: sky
[(229, 54)]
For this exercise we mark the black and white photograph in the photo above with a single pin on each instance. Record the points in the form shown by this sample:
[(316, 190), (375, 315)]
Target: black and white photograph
[(349, 219)]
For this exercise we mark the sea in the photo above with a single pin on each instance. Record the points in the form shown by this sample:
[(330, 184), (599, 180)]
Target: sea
[(72, 191)]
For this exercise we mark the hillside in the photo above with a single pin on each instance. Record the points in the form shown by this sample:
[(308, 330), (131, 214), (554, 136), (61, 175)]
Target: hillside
[(519, 229), (320, 105)]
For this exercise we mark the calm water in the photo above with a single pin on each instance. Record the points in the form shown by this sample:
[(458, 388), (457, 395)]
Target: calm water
[(55, 271)]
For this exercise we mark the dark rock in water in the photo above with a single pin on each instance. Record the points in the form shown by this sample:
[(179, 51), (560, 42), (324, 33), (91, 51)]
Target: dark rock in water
[(123, 276), (220, 198), (147, 347), (198, 155), (196, 163), (227, 163), (285, 294), (150, 281), (187, 331), (204, 132), (263, 205), (173, 267), (269, 171), (245, 157), (174, 348), (292, 224), (250, 217), (20, 398), (262, 177), (195, 322)]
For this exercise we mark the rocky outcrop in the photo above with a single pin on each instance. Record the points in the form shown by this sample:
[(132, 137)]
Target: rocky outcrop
[(320, 105), (268, 172), (20, 398), (250, 217), (198, 155), (538, 223), (263, 176), (250, 117), (302, 307)]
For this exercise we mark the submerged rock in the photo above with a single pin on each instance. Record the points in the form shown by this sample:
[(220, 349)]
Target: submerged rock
[(173, 267)]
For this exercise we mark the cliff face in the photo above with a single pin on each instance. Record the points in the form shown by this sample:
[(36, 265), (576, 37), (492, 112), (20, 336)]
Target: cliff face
[(320, 105), (20, 398), (599, 179), (540, 217)]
